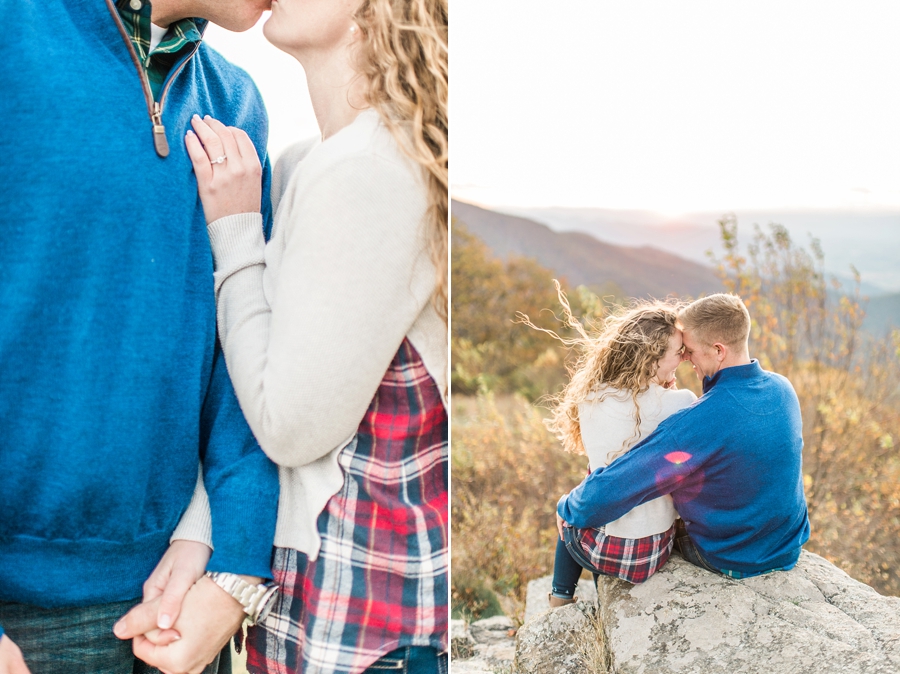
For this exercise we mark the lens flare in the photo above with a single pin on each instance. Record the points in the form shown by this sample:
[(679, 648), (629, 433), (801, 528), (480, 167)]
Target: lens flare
[(678, 458), (680, 483)]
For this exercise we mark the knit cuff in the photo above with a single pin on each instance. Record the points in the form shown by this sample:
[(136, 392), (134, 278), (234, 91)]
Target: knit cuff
[(196, 522), (237, 240)]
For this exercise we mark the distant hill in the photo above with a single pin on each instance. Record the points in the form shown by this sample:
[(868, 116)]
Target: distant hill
[(643, 271), (583, 260), (869, 241), (883, 313)]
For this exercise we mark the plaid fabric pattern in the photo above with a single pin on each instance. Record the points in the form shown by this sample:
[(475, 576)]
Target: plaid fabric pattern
[(631, 559), (740, 574), (180, 37), (380, 581)]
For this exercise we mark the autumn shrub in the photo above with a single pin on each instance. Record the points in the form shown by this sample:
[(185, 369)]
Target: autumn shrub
[(508, 474), (489, 350)]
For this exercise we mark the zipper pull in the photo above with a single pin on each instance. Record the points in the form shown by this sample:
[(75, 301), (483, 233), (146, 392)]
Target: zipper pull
[(159, 133)]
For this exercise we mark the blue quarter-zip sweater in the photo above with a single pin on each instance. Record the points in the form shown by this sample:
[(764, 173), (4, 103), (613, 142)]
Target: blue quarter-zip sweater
[(111, 384), (732, 463)]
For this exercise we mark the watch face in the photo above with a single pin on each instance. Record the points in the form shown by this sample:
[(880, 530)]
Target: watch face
[(267, 605)]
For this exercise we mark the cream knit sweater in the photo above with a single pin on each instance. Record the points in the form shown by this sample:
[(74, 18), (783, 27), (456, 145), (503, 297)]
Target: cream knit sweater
[(607, 424), (310, 322)]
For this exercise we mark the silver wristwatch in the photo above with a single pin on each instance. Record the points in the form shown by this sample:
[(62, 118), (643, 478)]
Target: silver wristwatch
[(257, 600)]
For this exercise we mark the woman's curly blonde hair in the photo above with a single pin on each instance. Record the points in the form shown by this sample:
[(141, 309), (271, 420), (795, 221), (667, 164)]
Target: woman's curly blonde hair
[(622, 356), (403, 57)]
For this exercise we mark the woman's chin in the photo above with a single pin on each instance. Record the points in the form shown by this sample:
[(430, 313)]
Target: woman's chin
[(266, 29), (277, 30), (270, 29)]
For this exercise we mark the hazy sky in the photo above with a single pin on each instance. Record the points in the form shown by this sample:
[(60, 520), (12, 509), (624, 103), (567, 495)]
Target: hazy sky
[(672, 107), (676, 106)]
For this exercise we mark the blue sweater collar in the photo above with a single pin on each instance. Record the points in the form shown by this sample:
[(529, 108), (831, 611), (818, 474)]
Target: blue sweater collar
[(734, 373)]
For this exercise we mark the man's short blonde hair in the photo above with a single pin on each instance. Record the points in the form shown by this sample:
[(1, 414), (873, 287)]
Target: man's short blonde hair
[(719, 318)]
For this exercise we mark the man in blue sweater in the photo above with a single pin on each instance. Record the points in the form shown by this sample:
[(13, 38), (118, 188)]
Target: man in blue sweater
[(112, 387), (731, 461)]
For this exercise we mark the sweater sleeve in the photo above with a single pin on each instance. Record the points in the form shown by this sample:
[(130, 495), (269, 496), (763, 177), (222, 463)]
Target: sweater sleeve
[(354, 275), (240, 481), (196, 522), (652, 468)]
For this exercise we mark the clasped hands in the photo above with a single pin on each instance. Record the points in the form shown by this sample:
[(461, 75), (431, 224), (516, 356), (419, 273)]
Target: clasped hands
[(185, 619)]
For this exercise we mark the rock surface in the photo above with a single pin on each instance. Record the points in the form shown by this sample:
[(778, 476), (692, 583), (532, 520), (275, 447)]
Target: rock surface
[(489, 646), (538, 589), (814, 619), (484, 647), (564, 639)]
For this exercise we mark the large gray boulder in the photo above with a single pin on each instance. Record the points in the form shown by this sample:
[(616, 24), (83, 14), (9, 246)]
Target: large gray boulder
[(814, 619), (482, 647), (564, 639)]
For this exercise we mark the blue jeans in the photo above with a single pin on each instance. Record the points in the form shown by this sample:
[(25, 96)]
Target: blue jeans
[(411, 660), (78, 640), (567, 565), (688, 550)]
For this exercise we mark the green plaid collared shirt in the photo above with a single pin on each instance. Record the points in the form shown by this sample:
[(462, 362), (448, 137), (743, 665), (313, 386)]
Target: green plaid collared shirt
[(179, 38)]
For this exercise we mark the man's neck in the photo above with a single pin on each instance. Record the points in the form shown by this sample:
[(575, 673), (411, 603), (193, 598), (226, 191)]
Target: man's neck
[(166, 12), (734, 360)]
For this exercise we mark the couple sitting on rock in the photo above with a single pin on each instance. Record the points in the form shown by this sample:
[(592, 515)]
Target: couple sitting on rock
[(717, 477)]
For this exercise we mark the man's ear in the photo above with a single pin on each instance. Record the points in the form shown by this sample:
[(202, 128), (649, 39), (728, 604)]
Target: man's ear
[(721, 351)]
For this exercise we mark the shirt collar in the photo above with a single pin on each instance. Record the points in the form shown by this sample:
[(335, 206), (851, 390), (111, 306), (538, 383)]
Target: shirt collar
[(734, 373), (179, 33)]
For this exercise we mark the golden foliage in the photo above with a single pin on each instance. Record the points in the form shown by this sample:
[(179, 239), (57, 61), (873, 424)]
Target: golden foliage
[(489, 350), (508, 473)]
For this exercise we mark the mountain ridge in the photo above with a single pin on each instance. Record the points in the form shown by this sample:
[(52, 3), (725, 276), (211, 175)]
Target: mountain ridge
[(638, 271), (583, 259), (866, 240)]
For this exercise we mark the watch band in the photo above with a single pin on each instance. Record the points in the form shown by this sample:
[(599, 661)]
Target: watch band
[(255, 599)]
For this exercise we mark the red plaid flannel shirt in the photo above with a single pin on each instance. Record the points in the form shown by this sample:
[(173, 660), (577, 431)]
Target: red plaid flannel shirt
[(380, 581), (631, 559)]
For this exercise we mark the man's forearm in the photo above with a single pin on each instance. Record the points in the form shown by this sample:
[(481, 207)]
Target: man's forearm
[(646, 472), (581, 513)]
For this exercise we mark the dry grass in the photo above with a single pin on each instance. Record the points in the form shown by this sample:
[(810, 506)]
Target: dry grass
[(592, 649), (508, 474)]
